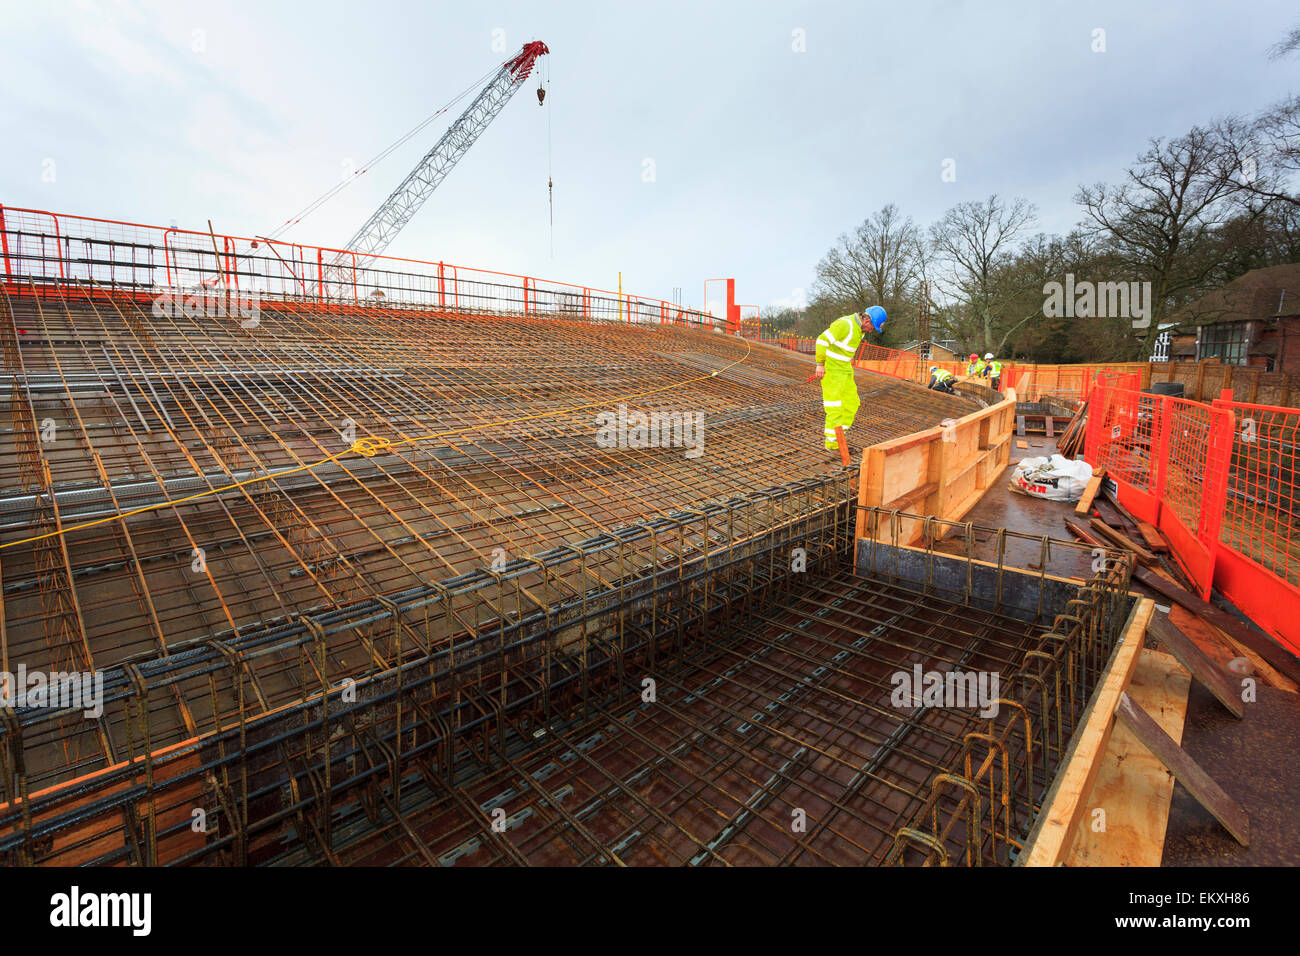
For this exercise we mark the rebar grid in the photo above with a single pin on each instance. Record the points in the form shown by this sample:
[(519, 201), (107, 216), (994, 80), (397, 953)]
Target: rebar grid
[(789, 714), (773, 697), (982, 810), (150, 408), (529, 640)]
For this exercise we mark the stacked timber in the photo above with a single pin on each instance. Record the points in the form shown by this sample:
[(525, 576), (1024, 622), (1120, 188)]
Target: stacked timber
[(1071, 443)]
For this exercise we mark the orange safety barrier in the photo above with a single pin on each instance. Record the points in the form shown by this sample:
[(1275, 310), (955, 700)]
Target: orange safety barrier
[(115, 257), (1219, 481), (1069, 382), (898, 364), (1031, 381), (1169, 458), (1258, 566)]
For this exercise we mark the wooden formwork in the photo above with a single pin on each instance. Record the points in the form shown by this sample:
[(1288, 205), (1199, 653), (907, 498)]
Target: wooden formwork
[(941, 471), (1067, 802)]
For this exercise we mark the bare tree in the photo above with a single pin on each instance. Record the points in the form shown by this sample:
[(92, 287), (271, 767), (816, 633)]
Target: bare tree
[(876, 265), (1259, 157), (1286, 46), (1279, 130), (1161, 222), (974, 241)]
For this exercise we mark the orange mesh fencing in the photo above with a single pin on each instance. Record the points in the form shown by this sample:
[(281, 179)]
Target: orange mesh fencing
[(1259, 558), (1262, 515), (1169, 460)]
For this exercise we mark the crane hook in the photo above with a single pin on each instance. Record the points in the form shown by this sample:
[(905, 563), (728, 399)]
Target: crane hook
[(541, 95)]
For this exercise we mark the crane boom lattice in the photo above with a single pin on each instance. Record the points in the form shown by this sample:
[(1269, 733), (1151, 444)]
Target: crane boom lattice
[(381, 228)]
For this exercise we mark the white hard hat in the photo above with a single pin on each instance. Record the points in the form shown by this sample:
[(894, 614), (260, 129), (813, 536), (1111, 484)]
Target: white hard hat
[(989, 355)]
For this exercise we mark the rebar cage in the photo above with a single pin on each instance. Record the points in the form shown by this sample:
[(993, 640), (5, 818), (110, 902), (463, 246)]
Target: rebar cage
[(983, 807), (308, 657), (518, 727)]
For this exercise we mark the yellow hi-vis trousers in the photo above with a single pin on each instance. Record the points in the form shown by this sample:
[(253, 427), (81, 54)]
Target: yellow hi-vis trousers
[(839, 399)]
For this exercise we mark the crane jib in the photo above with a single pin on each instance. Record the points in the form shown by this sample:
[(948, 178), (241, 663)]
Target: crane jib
[(384, 224)]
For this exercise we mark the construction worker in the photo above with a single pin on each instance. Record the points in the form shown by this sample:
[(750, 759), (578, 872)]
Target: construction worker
[(941, 380), (993, 370), (974, 368), (834, 354)]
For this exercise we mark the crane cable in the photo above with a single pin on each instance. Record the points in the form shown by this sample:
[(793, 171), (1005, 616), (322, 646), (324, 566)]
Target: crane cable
[(368, 448), (383, 154), (550, 181)]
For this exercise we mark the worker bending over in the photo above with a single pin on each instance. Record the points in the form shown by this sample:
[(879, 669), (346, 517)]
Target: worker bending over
[(941, 380), (835, 350), (993, 371)]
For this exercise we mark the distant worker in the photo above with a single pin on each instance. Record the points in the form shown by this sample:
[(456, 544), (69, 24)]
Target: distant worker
[(993, 370), (835, 350), (975, 368), (941, 380)]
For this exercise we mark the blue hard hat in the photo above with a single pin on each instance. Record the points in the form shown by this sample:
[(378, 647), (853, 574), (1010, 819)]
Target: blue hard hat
[(877, 316)]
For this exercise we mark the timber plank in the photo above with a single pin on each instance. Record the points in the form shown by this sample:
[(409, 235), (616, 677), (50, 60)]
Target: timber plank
[(1196, 661), (1089, 493), (1066, 802), (1106, 531), (1133, 787), (1273, 653), (1188, 772)]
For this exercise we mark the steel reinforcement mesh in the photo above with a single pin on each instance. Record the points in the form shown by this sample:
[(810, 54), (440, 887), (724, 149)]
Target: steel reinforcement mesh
[(117, 406), (729, 700)]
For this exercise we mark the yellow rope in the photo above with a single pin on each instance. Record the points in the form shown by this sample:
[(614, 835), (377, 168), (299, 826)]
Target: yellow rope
[(368, 448)]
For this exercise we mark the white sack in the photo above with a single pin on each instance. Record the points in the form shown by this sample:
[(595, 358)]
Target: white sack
[(1056, 478)]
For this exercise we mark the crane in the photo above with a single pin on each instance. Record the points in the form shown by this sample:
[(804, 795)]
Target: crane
[(396, 211)]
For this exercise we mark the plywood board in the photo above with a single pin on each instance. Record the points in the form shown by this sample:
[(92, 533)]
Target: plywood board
[(1133, 788)]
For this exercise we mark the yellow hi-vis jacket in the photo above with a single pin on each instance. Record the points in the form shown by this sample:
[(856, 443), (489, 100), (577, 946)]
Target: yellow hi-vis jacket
[(838, 344), (836, 348), (995, 369), (975, 368), (942, 375)]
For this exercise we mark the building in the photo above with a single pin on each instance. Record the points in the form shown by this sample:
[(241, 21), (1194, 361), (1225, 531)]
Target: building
[(1253, 320), (941, 350)]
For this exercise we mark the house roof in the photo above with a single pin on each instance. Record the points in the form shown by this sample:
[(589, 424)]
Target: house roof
[(1259, 294)]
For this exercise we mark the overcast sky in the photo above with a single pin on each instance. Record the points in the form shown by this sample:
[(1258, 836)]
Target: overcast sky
[(769, 127)]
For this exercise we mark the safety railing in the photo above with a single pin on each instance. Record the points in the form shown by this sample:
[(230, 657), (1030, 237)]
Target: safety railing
[(804, 346), (1031, 381), (1219, 481), (39, 249)]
